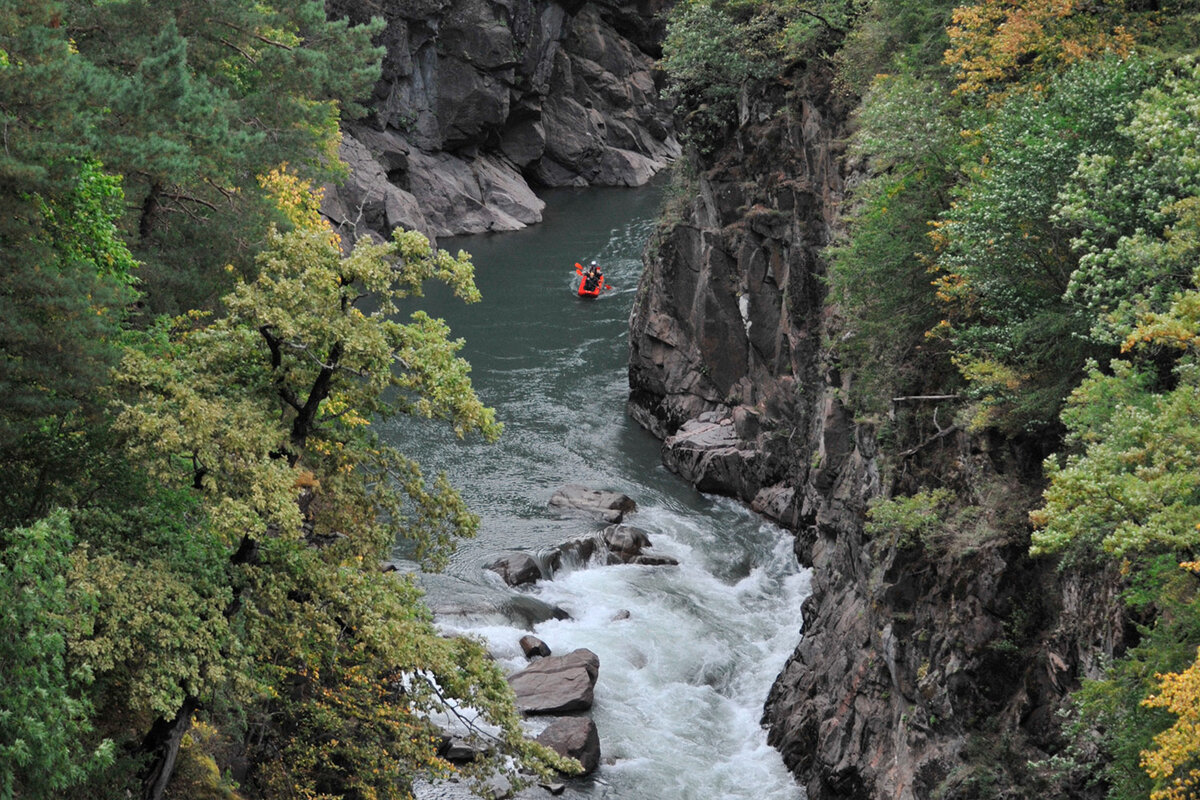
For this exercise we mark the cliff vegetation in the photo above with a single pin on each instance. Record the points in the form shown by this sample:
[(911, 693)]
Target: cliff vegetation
[(1009, 239)]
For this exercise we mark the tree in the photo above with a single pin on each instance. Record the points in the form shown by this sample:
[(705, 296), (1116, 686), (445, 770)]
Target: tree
[(264, 415), (879, 276), (1004, 260), (1136, 208), (44, 717), (200, 98), (996, 43)]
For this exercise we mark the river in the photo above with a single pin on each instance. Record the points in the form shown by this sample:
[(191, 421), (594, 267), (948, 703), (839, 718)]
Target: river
[(684, 677)]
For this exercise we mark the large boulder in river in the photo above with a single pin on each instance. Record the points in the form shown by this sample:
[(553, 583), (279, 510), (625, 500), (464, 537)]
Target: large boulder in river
[(574, 737), (558, 684), (576, 500), (517, 569)]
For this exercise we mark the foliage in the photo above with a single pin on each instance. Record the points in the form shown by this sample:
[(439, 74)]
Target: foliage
[(1172, 761), (894, 38), (1136, 209), (1130, 490), (713, 47), (1004, 263), (880, 275), (265, 414), (703, 57), (909, 521), (1135, 486), (995, 43), (44, 718), (197, 100)]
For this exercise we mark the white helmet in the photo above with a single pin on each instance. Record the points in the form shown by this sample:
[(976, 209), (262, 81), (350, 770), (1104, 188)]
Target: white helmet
[(592, 264)]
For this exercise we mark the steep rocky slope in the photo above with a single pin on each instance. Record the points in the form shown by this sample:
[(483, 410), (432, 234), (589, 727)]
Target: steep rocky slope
[(928, 668), (482, 99)]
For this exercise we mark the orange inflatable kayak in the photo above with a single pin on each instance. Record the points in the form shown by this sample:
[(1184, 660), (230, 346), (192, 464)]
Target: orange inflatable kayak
[(590, 284)]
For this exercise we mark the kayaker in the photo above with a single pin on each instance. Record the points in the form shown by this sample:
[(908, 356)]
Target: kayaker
[(592, 278)]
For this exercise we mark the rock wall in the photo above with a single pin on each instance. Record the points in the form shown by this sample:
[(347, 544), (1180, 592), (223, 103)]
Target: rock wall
[(481, 100), (927, 668)]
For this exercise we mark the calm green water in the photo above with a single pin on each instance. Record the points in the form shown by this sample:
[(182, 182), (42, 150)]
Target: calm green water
[(682, 681)]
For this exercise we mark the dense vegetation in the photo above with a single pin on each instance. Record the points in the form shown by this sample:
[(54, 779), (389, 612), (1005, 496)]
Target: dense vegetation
[(194, 510), (1023, 233)]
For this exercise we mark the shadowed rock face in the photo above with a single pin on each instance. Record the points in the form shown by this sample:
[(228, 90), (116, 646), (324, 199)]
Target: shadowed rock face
[(479, 99)]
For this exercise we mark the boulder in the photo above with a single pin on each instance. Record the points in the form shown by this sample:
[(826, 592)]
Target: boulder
[(458, 751), (533, 646), (576, 500), (558, 684), (574, 737), (368, 202), (626, 545), (517, 569), (715, 459)]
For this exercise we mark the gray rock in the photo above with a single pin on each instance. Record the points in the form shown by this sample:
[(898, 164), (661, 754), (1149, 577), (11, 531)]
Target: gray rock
[(368, 202), (517, 569), (574, 737), (576, 500), (533, 646), (560, 91), (558, 684)]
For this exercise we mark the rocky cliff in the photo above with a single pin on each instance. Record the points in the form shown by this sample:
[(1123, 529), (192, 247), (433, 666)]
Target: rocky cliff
[(482, 100), (928, 667)]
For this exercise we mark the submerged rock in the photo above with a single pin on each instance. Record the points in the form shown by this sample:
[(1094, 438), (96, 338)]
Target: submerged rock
[(576, 500), (558, 684)]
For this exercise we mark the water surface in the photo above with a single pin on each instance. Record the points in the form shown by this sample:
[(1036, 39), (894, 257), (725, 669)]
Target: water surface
[(684, 676)]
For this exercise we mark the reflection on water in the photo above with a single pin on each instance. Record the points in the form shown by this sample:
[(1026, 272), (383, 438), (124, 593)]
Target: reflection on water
[(684, 676)]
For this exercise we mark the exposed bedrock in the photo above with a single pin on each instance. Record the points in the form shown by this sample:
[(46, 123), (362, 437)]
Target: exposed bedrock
[(482, 99), (927, 667)]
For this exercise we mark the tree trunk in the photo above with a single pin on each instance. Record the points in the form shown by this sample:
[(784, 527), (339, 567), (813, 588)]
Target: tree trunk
[(162, 745)]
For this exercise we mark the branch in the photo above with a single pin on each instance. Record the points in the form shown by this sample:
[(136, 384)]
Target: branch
[(253, 34), (233, 46), (939, 435), (923, 397), (285, 392), (822, 20), (188, 198)]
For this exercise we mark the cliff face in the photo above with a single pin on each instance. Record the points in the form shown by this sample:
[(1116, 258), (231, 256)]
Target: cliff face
[(481, 99), (927, 668)]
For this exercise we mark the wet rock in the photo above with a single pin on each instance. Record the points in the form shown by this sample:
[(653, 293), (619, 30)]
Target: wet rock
[(558, 684), (576, 500), (516, 569), (575, 737), (716, 459), (458, 751), (533, 646), (627, 545), (621, 615)]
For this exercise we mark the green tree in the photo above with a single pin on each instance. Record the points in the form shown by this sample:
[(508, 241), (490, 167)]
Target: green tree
[(1127, 491), (1136, 209), (880, 275), (1005, 262), (264, 414), (198, 99), (44, 716)]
